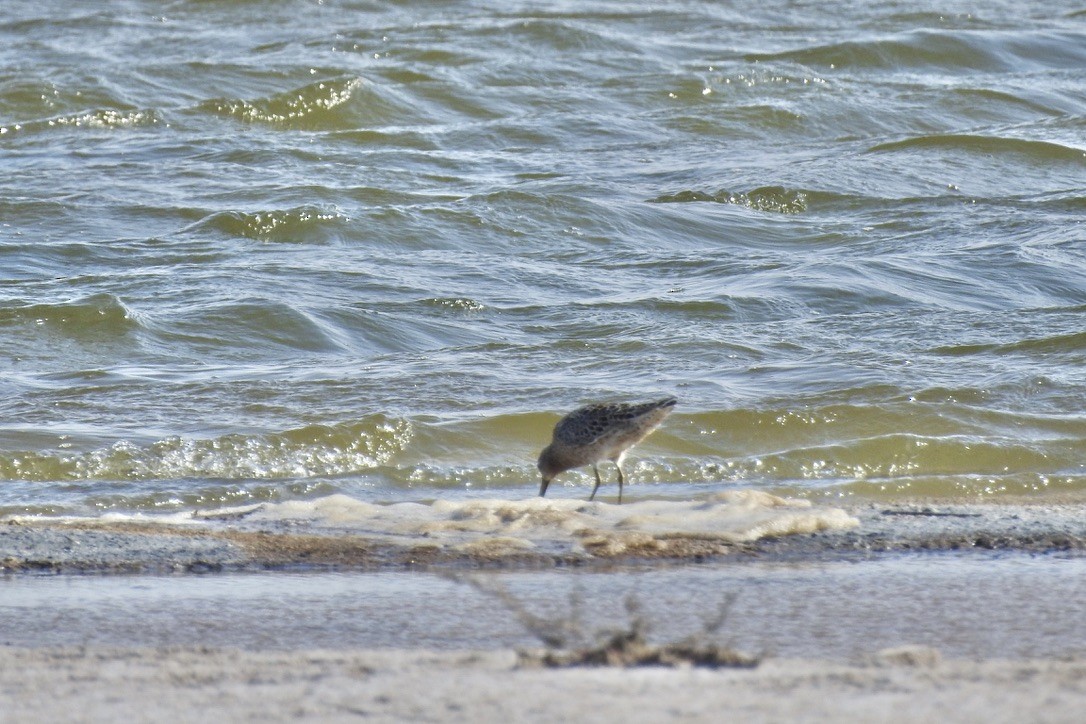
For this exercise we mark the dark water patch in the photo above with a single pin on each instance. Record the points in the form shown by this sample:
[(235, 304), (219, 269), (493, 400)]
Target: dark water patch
[(408, 76), (434, 57), (1002, 101), (1073, 343), (51, 91), (26, 97), (983, 50), (1070, 201), (721, 308), (586, 39), (921, 18), (775, 199), (386, 138), (98, 315), (371, 196), (1035, 151)]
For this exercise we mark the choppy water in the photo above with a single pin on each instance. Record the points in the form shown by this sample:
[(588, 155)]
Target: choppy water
[(256, 251)]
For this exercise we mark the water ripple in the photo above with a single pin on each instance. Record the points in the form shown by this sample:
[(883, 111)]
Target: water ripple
[(303, 225), (767, 198), (342, 104)]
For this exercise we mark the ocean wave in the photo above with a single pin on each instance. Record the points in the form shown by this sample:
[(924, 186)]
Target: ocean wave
[(407, 138), (97, 314), (306, 452), (301, 224), (776, 199), (1038, 151), (939, 450), (453, 304), (26, 95), (565, 35), (338, 104), (800, 447), (95, 119), (1073, 342)]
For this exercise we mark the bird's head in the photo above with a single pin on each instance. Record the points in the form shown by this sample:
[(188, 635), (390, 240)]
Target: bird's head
[(548, 467)]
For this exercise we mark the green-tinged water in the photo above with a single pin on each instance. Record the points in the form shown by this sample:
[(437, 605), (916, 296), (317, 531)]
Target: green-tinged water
[(257, 251)]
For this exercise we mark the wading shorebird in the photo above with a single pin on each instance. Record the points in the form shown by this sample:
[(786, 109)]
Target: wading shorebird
[(594, 433)]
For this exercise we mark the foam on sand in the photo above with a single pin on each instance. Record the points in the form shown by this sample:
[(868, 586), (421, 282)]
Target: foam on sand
[(341, 530), (575, 525)]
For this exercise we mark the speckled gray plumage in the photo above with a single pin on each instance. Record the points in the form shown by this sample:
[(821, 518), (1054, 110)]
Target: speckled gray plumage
[(594, 433)]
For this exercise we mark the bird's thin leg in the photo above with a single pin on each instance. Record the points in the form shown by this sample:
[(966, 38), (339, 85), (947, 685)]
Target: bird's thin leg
[(619, 467), (596, 468)]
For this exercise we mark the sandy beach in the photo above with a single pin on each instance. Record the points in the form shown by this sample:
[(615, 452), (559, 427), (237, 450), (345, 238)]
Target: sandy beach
[(198, 684), (961, 612)]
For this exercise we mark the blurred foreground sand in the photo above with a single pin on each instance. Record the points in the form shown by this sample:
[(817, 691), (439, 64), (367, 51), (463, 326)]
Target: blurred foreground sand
[(181, 685)]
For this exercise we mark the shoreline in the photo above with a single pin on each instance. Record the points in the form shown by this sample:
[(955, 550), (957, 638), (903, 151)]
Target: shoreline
[(89, 546)]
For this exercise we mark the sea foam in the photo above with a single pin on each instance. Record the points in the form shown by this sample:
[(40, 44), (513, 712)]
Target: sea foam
[(725, 518)]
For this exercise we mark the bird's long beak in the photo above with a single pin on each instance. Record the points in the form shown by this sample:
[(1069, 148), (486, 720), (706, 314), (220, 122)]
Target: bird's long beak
[(543, 487)]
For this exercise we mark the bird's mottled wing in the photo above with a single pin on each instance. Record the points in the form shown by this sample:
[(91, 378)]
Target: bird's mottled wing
[(588, 424), (584, 425)]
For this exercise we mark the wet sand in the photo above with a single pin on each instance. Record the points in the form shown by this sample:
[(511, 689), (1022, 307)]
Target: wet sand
[(960, 612), (239, 544), (968, 606)]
